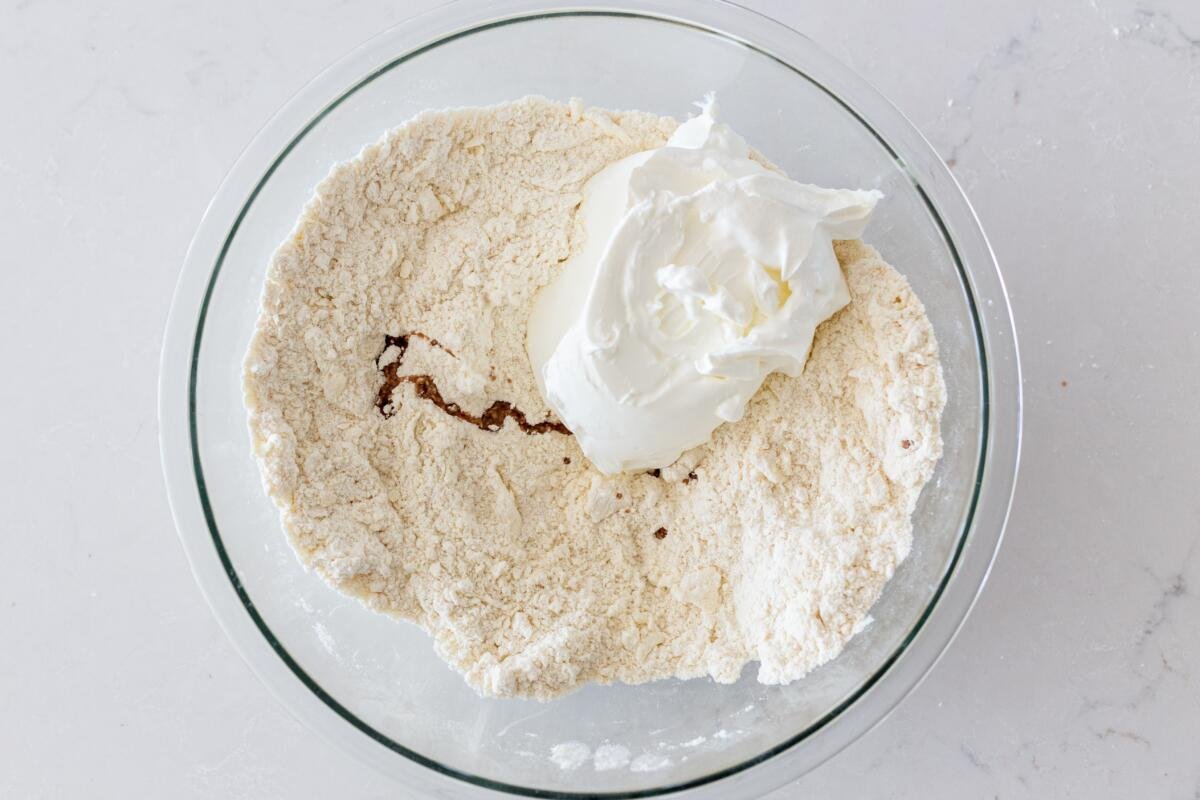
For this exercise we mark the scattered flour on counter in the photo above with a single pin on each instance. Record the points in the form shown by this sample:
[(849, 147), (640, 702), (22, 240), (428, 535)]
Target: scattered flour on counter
[(415, 266)]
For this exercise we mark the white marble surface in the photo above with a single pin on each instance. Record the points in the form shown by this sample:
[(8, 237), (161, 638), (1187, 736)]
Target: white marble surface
[(1073, 125)]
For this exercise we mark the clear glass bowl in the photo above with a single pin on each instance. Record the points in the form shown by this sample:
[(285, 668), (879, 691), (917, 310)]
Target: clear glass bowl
[(373, 684)]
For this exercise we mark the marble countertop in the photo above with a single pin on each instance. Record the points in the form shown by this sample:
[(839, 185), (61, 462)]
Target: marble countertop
[(1074, 126)]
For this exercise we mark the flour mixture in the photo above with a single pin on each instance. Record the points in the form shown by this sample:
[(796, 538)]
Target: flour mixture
[(400, 428)]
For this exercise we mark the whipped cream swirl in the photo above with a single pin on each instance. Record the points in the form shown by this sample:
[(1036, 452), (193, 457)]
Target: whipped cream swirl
[(702, 273)]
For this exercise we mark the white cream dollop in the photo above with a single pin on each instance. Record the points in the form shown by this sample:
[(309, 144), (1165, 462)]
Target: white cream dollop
[(702, 273)]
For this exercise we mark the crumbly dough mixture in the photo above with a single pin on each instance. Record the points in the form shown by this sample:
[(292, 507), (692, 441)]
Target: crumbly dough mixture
[(392, 328)]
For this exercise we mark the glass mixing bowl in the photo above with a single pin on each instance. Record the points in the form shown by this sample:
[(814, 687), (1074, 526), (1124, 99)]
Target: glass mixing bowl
[(374, 685)]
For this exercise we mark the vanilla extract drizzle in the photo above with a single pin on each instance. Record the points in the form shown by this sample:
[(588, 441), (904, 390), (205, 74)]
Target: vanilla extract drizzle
[(426, 388)]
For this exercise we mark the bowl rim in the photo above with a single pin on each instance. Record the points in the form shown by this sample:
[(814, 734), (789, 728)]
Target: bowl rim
[(1000, 433)]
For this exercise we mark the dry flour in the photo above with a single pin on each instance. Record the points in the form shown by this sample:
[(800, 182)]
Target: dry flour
[(426, 498)]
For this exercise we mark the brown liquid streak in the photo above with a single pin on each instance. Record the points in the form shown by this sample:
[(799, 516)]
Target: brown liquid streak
[(424, 386)]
